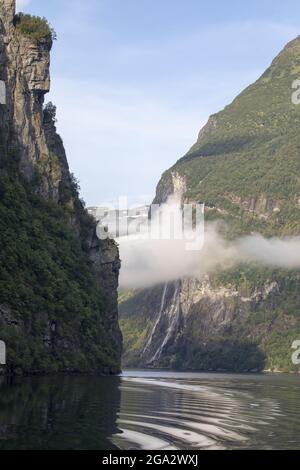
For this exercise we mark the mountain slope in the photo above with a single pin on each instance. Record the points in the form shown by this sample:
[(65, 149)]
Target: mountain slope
[(58, 289), (246, 160), (245, 166)]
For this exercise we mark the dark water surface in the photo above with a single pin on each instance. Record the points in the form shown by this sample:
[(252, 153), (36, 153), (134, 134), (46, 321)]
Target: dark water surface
[(151, 410)]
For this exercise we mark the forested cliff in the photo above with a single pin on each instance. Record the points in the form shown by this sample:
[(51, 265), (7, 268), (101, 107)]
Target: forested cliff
[(58, 282)]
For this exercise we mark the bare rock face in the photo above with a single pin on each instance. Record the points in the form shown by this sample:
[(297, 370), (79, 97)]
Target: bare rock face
[(27, 76), (210, 126), (28, 82), (196, 316), (262, 206), (104, 255), (29, 130), (7, 14), (171, 184)]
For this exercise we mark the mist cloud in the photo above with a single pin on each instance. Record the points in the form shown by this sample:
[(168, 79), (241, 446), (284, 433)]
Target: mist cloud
[(149, 262)]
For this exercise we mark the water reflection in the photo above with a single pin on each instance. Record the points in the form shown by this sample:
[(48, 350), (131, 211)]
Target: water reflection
[(151, 411), (59, 413)]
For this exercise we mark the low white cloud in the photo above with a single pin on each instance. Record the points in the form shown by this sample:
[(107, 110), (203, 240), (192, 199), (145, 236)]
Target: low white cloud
[(149, 262)]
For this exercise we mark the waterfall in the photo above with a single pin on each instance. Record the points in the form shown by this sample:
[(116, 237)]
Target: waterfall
[(174, 316), (162, 305)]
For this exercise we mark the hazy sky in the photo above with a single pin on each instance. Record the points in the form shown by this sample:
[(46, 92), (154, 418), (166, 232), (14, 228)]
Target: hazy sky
[(135, 80)]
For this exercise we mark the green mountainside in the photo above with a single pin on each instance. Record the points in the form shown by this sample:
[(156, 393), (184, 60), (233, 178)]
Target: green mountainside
[(246, 161), (245, 166)]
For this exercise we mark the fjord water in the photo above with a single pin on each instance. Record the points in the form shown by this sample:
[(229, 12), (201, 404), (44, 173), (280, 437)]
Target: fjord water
[(151, 410)]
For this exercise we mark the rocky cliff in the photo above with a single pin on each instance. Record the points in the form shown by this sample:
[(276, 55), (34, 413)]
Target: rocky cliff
[(245, 165), (58, 295)]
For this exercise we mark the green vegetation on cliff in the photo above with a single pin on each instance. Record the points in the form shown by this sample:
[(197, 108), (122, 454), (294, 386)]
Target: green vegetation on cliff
[(245, 166), (34, 27), (248, 335), (50, 298), (58, 281), (46, 279)]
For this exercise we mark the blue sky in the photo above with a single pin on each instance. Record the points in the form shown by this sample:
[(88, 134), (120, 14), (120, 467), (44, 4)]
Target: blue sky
[(135, 80)]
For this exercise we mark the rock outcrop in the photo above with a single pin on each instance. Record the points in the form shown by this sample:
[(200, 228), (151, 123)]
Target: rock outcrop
[(204, 325), (33, 161), (25, 69)]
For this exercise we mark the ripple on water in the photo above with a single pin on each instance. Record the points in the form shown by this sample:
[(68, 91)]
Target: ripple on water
[(176, 414)]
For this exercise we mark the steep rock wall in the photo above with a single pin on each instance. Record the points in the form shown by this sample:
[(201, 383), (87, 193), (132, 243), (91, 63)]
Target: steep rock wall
[(34, 167)]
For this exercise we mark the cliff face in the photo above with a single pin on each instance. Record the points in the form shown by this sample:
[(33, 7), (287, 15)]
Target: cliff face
[(245, 166), (25, 69), (208, 324), (60, 311)]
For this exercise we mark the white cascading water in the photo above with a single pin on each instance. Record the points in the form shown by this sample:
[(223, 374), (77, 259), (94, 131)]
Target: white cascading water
[(174, 317), (162, 305)]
